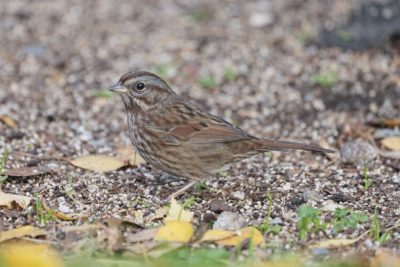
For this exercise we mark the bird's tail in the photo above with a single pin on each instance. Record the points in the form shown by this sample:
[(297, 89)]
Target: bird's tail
[(270, 144)]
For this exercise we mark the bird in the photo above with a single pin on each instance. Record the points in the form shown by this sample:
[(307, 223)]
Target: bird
[(179, 137)]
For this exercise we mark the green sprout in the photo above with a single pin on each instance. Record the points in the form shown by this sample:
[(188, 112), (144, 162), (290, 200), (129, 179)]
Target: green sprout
[(207, 82), (266, 226), (309, 220), (345, 219), (3, 161), (367, 179)]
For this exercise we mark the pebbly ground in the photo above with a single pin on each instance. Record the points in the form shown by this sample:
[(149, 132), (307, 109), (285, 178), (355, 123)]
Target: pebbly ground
[(248, 62)]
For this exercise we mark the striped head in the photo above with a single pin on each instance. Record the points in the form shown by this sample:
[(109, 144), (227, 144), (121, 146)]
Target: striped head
[(142, 91)]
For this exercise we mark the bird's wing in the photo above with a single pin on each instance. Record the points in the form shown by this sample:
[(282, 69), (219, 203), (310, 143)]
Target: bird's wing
[(199, 128)]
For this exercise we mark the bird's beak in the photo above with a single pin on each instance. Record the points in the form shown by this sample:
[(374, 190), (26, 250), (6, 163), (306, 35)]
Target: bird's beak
[(118, 88)]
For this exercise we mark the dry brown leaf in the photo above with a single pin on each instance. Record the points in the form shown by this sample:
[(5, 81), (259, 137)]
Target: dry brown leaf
[(8, 200), (338, 243), (99, 163), (8, 121), (335, 243), (159, 214), (175, 231), (145, 235), (113, 233), (177, 213), (27, 171), (391, 123), (23, 231), (129, 155), (392, 142)]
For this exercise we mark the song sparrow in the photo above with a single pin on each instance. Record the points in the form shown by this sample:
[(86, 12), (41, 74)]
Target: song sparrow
[(181, 138)]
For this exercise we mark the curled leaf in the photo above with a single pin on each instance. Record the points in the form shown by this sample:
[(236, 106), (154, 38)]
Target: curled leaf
[(233, 238), (9, 200), (8, 121), (27, 171), (21, 232)]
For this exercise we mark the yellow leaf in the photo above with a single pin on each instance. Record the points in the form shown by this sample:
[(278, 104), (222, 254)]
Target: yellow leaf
[(29, 255), (178, 213), (216, 235), (384, 257), (175, 231), (392, 142), (233, 238), (334, 243), (98, 163), (27, 230), (7, 200), (8, 121)]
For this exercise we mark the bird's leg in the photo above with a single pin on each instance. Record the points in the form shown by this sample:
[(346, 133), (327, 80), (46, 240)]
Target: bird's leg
[(181, 191)]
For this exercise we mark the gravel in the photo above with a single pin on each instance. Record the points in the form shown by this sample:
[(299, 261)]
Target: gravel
[(56, 57)]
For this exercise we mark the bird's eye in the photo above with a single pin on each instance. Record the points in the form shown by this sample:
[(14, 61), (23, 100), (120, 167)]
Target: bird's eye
[(140, 86)]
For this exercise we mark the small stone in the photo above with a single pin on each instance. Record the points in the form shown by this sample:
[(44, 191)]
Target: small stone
[(286, 187), (238, 195), (209, 217), (320, 252), (357, 152), (229, 221), (340, 197), (311, 196), (219, 205), (276, 220), (64, 208), (258, 20), (92, 188), (329, 205), (396, 179), (397, 212)]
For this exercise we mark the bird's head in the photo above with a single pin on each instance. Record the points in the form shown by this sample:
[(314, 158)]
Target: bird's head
[(142, 90)]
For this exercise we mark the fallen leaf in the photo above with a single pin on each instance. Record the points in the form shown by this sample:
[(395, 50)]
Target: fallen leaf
[(153, 249), (391, 123), (129, 155), (177, 213), (159, 214), (216, 235), (392, 142), (30, 254), (23, 231), (237, 237), (138, 217), (60, 215), (175, 231), (334, 243), (384, 257), (145, 235), (27, 171), (8, 200), (8, 121), (113, 234), (98, 163)]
